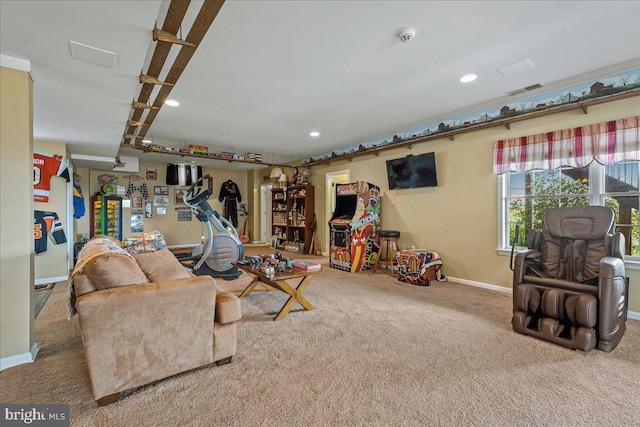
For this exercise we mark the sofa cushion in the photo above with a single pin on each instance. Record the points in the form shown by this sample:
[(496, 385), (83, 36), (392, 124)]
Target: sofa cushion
[(160, 265), (112, 270)]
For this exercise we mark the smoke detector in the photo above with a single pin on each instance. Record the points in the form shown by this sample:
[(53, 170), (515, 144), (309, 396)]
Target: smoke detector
[(407, 34)]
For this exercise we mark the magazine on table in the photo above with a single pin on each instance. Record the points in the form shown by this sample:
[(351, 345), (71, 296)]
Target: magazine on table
[(307, 265)]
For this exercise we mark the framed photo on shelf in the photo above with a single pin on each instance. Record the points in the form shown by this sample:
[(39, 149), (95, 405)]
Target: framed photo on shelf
[(274, 242)]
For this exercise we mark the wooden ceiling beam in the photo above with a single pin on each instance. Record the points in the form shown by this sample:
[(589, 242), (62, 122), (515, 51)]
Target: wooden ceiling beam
[(200, 26), (172, 22)]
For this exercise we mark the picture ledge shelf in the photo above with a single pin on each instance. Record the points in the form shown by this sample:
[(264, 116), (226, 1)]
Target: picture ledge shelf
[(506, 122), (201, 156)]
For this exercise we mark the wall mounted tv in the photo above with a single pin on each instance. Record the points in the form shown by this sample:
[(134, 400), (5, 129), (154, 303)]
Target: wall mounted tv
[(412, 171)]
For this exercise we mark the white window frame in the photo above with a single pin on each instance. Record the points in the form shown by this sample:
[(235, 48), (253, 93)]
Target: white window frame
[(596, 197)]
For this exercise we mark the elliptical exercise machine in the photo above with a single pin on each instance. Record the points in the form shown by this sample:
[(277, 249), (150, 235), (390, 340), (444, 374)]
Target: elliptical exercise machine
[(214, 256)]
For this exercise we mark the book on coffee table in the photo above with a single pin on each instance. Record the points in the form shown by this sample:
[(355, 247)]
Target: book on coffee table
[(307, 265)]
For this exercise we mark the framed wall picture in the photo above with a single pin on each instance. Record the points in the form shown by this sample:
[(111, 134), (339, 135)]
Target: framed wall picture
[(137, 221), (161, 211), (184, 215), (148, 209), (136, 202), (161, 190), (179, 196), (152, 173), (160, 200)]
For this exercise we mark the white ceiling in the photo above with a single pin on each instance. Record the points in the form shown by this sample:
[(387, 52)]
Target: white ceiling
[(269, 72)]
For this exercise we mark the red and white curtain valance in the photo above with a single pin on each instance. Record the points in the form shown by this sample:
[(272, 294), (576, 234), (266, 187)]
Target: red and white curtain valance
[(607, 143)]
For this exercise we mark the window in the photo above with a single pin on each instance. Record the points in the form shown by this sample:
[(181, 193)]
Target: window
[(525, 197)]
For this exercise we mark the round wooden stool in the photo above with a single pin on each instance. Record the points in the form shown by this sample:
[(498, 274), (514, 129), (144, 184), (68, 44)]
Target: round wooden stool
[(387, 238)]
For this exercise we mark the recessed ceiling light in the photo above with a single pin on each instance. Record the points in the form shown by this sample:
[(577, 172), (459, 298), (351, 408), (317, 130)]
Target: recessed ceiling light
[(468, 78), (147, 140), (314, 133), (172, 103)]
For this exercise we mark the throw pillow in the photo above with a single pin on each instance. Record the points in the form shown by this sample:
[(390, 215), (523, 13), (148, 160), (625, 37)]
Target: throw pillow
[(113, 270), (160, 265)]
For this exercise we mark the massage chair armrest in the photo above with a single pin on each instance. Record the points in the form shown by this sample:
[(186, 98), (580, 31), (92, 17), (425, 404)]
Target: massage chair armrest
[(523, 261), (611, 267), (612, 299)]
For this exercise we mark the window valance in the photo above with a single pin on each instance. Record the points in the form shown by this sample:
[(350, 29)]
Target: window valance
[(607, 143)]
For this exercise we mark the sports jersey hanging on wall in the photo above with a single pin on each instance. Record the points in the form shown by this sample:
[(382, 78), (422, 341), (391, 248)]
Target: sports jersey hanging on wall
[(43, 224), (45, 166), (78, 202)]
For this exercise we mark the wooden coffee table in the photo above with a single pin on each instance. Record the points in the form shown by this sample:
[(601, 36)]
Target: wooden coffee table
[(279, 282)]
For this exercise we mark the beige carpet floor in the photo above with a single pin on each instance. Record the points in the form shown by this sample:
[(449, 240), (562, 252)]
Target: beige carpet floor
[(375, 351)]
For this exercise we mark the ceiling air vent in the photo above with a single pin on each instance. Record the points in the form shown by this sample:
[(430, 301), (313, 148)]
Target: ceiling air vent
[(526, 89), (93, 55)]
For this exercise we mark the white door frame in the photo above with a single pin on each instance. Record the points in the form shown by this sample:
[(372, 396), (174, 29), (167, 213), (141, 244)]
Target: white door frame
[(70, 225), (265, 213), (330, 198)]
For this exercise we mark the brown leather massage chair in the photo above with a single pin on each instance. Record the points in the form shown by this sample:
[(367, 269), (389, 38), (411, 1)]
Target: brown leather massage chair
[(570, 287)]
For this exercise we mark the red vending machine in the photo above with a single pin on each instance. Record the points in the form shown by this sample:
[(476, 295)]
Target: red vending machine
[(354, 227)]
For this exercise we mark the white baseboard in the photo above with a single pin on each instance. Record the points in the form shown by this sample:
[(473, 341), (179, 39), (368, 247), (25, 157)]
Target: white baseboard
[(19, 359), (50, 280), (630, 314), (481, 285)]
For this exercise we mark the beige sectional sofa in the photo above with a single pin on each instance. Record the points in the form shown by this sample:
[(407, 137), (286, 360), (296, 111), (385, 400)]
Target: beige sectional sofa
[(144, 317)]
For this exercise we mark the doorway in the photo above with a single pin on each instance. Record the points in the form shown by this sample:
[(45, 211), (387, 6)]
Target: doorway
[(265, 213), (333, 178)]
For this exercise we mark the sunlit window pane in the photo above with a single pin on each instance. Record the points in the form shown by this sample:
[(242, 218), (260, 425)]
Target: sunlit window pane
[(621, 178), (543, 183), (531, 194), (574, 181)]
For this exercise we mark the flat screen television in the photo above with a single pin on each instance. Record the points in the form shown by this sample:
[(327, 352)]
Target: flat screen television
[(412, 171)]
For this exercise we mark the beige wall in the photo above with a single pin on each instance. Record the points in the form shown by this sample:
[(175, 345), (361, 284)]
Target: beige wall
[(54, 262), (458, 219), (175, 232), (16, 221)]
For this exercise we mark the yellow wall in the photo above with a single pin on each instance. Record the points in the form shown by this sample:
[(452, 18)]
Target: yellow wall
[(175, 232), (54, 262), (16, 221), (458, 219)]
